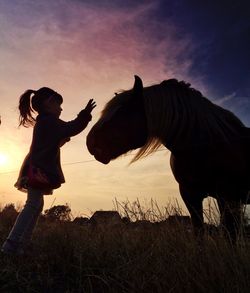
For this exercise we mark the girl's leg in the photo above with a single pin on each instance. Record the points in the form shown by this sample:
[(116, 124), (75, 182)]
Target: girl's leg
[(35, 200), (25, 223)]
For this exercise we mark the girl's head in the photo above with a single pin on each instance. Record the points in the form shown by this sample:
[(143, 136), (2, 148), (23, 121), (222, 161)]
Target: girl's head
[(44, 100)]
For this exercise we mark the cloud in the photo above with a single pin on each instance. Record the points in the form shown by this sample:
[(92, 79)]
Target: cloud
[(220, 32), (240, 105), (206, 44), (97, 47), (225, 99), (100, 43)]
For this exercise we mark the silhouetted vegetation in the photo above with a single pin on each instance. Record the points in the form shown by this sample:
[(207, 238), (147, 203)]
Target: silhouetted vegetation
[(58, 213), (127, 254)]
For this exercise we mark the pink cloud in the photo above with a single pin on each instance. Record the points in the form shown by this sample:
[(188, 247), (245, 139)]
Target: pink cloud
[(102, 46)]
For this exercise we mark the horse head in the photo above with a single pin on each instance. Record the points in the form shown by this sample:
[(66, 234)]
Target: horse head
[(122, 126)]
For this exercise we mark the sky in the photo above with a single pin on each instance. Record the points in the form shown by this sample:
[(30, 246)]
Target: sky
[(91, 49)]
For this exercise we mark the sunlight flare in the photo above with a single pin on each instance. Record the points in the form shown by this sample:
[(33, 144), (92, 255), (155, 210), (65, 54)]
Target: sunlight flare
[(3, 159)]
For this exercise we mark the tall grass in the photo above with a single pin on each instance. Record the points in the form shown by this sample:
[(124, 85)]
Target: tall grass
[(159, 257)]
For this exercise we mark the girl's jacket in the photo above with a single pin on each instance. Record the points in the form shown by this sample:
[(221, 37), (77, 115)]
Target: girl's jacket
[(49, 134)]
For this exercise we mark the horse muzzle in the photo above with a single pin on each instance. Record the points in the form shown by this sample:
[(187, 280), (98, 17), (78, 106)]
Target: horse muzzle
[(96, 151)]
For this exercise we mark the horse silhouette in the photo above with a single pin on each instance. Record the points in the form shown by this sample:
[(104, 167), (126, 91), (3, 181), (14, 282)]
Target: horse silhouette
[(209, 145)]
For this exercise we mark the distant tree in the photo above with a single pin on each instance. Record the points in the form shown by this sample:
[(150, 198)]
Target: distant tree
[(8, 214), (58, 213)]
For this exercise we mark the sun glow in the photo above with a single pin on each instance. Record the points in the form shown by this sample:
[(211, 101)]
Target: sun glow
[(3, 159)]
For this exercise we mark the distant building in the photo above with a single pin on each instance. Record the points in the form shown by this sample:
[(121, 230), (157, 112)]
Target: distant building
[(105, 218)]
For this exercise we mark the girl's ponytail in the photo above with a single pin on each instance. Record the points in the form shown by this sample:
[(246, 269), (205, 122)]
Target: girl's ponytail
[(26, 118)]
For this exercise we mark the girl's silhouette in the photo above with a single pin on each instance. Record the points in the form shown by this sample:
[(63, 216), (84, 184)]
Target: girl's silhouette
[(41, 170)]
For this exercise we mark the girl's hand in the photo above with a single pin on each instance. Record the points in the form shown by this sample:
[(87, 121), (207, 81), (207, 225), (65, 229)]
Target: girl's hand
[(90, 106)]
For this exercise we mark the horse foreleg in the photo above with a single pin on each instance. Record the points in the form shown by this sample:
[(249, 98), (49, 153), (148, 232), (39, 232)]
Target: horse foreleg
[(230, 216), (193, 201)]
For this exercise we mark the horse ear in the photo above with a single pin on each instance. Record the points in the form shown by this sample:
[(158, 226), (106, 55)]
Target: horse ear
[(138, 87)]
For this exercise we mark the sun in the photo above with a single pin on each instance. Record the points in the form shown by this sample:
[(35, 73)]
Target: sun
[(3, 159)]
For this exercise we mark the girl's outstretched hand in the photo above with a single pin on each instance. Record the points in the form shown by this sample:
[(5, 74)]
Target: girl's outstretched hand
[(90, 106)]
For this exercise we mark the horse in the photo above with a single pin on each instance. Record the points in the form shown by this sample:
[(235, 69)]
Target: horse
[(209, 145)]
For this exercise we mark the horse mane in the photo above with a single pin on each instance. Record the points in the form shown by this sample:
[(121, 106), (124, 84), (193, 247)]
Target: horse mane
[(169, 94), (179, 117)]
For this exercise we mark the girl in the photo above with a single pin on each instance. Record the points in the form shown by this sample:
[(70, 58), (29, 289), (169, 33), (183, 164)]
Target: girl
[(41, 171)]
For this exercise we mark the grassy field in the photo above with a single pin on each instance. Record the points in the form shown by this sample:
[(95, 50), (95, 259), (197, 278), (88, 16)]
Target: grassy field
[(143, 257)]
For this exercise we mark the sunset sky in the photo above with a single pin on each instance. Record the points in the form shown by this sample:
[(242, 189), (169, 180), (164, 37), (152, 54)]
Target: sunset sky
[(91, 49)]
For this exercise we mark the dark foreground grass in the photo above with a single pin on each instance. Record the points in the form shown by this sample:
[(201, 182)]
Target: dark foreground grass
[(125, 258)]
